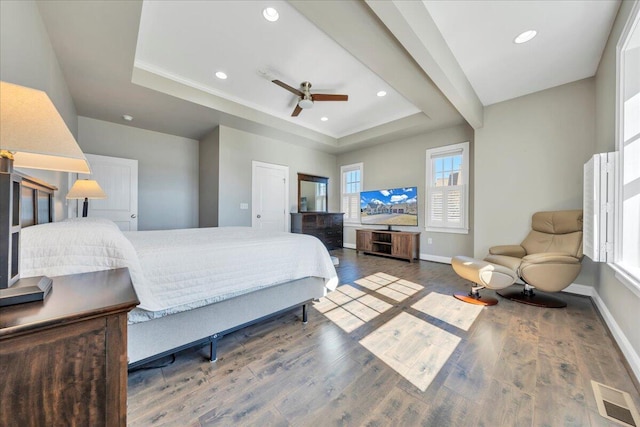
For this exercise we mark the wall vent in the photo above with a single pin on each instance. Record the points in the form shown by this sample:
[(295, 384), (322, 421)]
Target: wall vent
[(615, 405)]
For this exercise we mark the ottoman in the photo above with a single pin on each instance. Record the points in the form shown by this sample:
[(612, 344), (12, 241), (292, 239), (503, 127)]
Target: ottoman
[(483, 275)]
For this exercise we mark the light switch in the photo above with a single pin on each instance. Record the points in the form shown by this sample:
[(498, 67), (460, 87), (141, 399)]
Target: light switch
[(244, 205)]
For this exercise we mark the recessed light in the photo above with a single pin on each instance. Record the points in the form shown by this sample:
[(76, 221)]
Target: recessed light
[(270, 14), (221, 75), (127, 117), (525, 36), (324, 119), (381, 93)]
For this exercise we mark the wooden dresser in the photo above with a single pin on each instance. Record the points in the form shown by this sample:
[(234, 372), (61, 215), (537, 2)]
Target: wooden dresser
[(325, 226), (63, 361)]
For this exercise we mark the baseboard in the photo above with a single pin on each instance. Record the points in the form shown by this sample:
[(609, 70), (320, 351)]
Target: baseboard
[(633, 359), (349, 245), (436, 258), (578, 289)]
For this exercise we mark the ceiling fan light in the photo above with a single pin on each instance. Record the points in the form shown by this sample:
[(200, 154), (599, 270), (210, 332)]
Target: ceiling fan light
[(270, 14), (305, 103)]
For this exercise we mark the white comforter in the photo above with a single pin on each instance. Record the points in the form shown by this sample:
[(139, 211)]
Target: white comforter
[(194, 267), (174, 270)]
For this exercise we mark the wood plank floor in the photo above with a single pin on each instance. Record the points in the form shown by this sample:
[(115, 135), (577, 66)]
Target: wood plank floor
[(514, 365)]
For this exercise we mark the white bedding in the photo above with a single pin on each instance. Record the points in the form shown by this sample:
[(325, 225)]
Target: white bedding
[(175, 270), (190, 268)]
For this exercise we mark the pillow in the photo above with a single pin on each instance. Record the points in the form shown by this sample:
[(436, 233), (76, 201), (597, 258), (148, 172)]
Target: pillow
[(92, 220), (77, 245)]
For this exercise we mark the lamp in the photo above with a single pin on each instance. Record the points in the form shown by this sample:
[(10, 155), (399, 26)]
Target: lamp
[(305, 102), (86, 189), (32, 135)]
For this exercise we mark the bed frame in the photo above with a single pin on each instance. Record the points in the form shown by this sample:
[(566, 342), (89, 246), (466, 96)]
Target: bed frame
[(156, 338)]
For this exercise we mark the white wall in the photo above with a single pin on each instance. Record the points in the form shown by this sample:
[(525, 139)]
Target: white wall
[(402, 163), (622, 304), (238, 149), (167, 170), (27, 58)]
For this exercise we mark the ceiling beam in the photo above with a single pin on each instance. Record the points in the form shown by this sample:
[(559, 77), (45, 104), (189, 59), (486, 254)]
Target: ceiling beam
[(412, 25), (357, 29)]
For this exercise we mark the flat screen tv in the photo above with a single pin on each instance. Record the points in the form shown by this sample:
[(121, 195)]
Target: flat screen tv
[(393, 206)]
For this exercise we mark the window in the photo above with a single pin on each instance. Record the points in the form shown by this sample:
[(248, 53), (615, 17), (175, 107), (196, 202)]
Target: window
[(627, 219), (447, 187), (350, 188)]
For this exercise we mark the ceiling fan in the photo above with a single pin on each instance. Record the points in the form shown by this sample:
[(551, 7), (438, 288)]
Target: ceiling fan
[(306, 98)]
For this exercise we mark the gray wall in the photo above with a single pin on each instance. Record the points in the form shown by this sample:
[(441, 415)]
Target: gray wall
[(529, 157), (27, 58), (238, 149), (167, 170), (209, 178), (402, 163), (623, 305)]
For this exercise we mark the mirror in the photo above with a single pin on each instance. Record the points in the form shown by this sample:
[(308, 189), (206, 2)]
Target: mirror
[(312, 193)]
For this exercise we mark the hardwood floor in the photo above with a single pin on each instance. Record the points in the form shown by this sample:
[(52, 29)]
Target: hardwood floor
[(514, 365)]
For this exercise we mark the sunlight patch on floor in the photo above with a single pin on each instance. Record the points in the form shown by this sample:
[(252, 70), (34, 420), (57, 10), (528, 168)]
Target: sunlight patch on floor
[(449, 309), (366, 283), (412, 347), (350, 308), (390, 286)]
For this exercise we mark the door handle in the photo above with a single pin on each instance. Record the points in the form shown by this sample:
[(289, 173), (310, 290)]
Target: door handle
[(133, 215)]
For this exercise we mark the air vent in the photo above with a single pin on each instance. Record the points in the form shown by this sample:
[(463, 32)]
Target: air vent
[(615, 405)]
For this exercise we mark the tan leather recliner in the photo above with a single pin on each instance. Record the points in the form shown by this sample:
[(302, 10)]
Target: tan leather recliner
[(547, 259)]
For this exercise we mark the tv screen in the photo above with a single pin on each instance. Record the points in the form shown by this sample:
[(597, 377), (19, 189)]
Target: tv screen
[(394, 206)]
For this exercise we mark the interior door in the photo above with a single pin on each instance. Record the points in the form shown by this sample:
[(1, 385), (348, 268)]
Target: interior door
[(270, 196), (119, 179)]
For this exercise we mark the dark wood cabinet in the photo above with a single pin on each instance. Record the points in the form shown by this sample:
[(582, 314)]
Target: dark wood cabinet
[(325, 226), (63, 361), (395, 244)]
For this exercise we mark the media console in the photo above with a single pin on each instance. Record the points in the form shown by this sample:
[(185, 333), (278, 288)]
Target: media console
[(394, 244)]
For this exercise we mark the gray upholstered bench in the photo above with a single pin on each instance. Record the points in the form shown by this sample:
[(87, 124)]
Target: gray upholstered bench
[(482, 274)]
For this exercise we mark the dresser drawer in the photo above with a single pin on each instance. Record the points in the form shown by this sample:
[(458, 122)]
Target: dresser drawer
[(325, 226)]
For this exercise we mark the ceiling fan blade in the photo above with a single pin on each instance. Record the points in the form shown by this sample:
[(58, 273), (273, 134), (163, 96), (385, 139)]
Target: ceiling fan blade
[(296, 111), (329, 97), (287, 87)]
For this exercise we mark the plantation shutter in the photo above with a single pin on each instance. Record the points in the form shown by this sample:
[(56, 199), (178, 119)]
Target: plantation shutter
[(351, 184), (446, 187), (446, 206)]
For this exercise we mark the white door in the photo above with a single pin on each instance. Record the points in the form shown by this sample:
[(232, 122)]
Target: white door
[(270, 196), (119, 179)]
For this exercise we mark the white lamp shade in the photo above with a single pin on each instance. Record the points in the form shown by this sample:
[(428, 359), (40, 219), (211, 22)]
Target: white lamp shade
[(34, 132), (86, 189)]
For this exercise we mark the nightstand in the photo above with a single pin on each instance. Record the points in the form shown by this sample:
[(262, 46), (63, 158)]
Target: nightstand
[(63, 361)]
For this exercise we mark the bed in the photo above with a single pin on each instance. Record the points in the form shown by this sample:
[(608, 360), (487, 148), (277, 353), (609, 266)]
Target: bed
[(194, 285)]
